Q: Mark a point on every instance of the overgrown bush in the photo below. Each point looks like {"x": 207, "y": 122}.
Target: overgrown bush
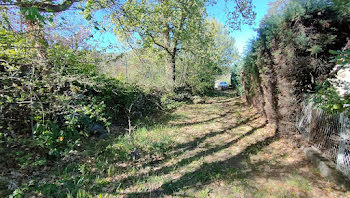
{"x": 51, "y": 111}
{"x": 291, "y": 54}
{"x": 328, "y": 99}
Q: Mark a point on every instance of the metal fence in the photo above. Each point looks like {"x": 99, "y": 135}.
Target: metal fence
{"x": 330, "y": 134}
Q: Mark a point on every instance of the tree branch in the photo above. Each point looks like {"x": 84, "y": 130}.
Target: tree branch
{"x": 44, "y": 6}
{"x": 156, "y": 43}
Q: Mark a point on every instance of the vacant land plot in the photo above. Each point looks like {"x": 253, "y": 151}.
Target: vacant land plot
{"x": 221, "y": 148}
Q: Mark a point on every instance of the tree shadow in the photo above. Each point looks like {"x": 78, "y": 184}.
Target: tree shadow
{"x": 227, "y": 94}
{"x": 201, "y": 154}
{"x": 230, "y": 100}
{"x": 159, "y": 167}
{"x": 129, "y": 181}
{"x": 208, "y": 171}
{"x": 166, "y": 118}
{"x": 193, "y": 144}
{"x": 222, "y": 115}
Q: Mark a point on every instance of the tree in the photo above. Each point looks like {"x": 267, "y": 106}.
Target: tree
{"x": 33, "y": 12}
{"x": 276, "y": 7}
{"x": 166, "y": 24}
{"x": 70, "y": 29}
{"x": 342, "y": 6}
{"x": 206, "y": 56}
{"x": 45, "y": 6}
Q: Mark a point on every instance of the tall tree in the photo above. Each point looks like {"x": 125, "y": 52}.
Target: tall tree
{"x": 276, "y": 7}
{"x": 32, "y": 12}
{"x": 206, "y": 56}
{"x": 166, "y": 24}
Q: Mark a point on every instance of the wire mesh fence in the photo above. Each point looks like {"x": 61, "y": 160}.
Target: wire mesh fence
{"x": 329, "y": 133}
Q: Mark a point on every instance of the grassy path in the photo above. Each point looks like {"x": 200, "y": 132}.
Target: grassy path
{"x": 224, "y": 149}
{"x": 221, "y": 148}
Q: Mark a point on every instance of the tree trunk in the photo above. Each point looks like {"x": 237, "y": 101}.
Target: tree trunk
{"x": 36, "y": 34}
{"x": 173, "y": 68}
{"x": 172, "y": 53}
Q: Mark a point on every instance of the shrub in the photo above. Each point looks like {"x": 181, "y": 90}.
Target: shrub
{"x": 328, "y": 99}
{"x": 57, "y": 108}
{"x": 290, "y": 55}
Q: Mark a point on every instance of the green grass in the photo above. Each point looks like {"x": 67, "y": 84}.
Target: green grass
{"x": 99, "y": 162}
{"x": 200, "y": 157}
{"x": 299, "y": 182}
{"x": 204, "y": 193}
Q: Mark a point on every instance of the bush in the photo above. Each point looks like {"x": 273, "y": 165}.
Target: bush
{"x": 291, "y": 54}
{"x": 58, "y": 107}
{"x": 328, "y": 99}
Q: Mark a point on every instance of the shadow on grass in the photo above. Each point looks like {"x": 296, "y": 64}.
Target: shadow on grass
{"x": 207, "y": 152}
{"x": 222, "y": 115}
{"x": 193, "y": 144}
{"x": 227, "y": 94}
{"x": 129, "y": 181}
{"x": 209, "y": 172}
{"x": 203, "y": 174}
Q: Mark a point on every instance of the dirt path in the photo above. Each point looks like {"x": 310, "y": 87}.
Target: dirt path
{"x": 225, "y": 149}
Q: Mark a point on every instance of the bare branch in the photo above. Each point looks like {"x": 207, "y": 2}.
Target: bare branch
{"x": 44, "y": 6}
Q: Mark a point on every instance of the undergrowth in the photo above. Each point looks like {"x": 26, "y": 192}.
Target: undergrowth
{"x": 99, "y": 162}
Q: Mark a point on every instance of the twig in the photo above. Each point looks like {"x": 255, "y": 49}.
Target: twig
{"x": 129, "y": 119}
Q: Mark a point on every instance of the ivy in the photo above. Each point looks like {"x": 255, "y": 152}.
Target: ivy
{"x": 341, "y": 57}
{"x": 32, "y": 14}
{"x": 328, "y": 99}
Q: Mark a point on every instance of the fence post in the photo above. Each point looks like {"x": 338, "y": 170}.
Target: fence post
{"x": 343, "y": 162}
{"x": 309, "y": 120}
{"x": 305, "y": 121}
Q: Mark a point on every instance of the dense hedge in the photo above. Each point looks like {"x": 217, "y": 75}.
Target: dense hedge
{"x": 290, "y": 57}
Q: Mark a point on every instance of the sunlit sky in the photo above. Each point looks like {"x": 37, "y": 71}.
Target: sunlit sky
{"x": 241, "y": 36}
{"x": 247, "y": 32}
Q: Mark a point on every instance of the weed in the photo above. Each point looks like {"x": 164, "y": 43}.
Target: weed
{"x": 204, "y": 193}
{"x": 300, "y": 182}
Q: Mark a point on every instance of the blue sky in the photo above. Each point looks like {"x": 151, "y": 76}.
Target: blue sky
{"x": 218, "y": 11}
{"x": 247, "y": 32}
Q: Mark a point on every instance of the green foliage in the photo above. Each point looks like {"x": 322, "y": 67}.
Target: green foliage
{"x": 242, "y": 11}
{"x": 211, "y": 54}
{"x": 250, "y": 71}
{"x": 208, "y": 54}
{"x": 172, "y": 100}
{"x": 52, "y": 96}
{"x": 316, "y": 49}
{"x": 302, "y": 41}
{"x": 328, "y": 99}
{"x": 292, "y": 43}
{"x": 71, "y": 62}
{"x": 151, "y": 141}
{"x": 32, "y": 14}
{"x": 341, "y": 57}
{"x": 144, "y": 67}
{"x": 85, "y": 177}
{"x": 180, "y": 32}
{"x": 153, "y": 19}
{"x": 341, "y": 6}
{"x": 236, "y": 81}
{"x": 163, "y": 25}
{"x": 59, "y": 109}
{"x": 327, "y": 96}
